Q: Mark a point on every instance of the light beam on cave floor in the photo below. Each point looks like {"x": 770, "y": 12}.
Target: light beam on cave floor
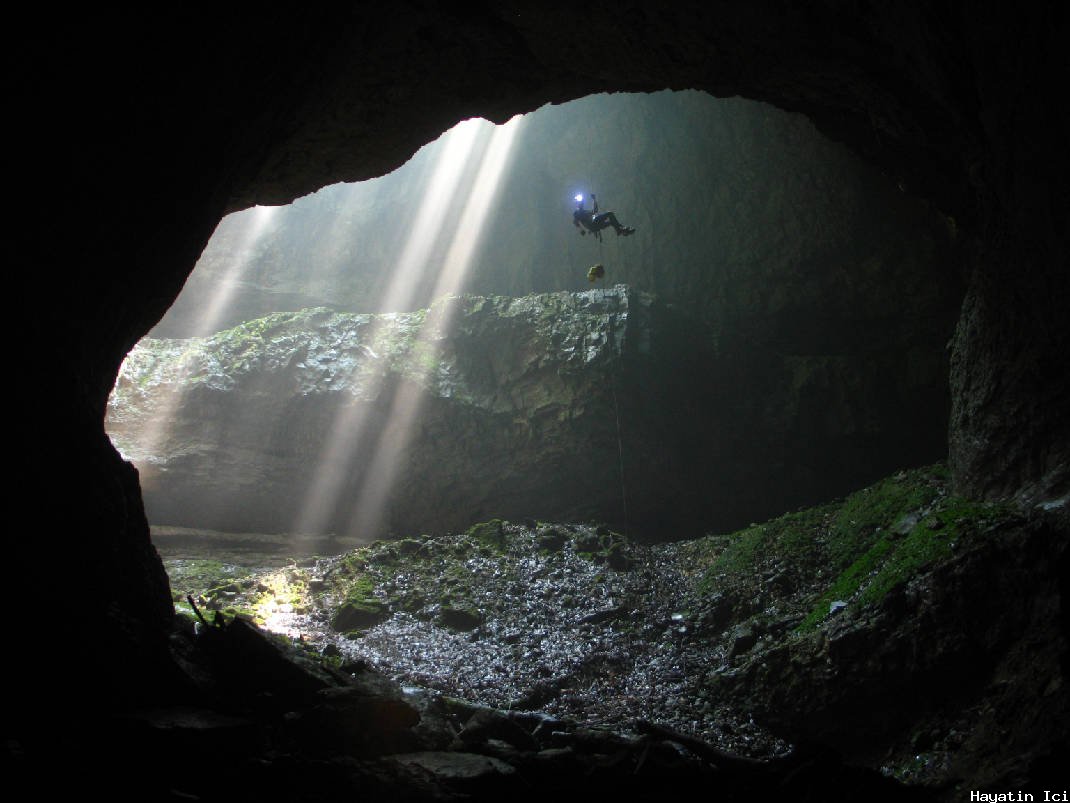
{"x": 397, "y": 435}
{"x": 351, "y": 428}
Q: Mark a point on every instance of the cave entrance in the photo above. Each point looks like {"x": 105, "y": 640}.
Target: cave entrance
{"x": 776, "y": 336}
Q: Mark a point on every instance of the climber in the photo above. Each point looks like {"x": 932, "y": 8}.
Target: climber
{"x": 594, "y": 221}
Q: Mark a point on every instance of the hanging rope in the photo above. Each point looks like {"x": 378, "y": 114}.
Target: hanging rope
{"x": 621, "y": 261}
{"x": 616, "y": 404}
{"x": 594, "y": 273}
{"x": 568, "y": 254}
{"x": 602, "y": 262}
{"x": 620, "y": 458}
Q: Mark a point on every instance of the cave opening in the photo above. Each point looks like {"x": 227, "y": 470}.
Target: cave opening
{"x": 422, "y": 358}
{"x": 784, "y": 273}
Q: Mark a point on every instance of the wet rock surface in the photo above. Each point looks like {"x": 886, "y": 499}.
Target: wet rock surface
{"x": 562, "y": 632}
{"x": 518, "y": 626}
{"x": 890, "y": 628}
{"x": 260, "y": 720}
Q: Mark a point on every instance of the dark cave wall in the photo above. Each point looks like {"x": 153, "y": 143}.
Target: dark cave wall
{"x": 1010, "y": 434}
{"x": 137, "y": 144}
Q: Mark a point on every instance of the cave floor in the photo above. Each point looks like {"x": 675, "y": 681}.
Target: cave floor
{"x": 558, "y": 631}
{"x": 874, "y": 625}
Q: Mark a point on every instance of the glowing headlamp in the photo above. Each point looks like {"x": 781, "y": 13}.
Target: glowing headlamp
{"x": 579, "y": 198}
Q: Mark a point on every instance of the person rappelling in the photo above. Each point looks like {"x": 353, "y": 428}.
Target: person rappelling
{"x": 593, "y": 221}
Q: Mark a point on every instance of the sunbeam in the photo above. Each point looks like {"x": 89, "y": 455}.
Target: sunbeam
{"x": 256, "y": 222}
{"x": 481, "y": 199}
{"x": 407, "y": 405}
{"x": 435, "y": 208}
{"x": 144, "y": 444}
{"x": 346, "y": 442}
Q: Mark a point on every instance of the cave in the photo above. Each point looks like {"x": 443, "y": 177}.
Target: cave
{"x": 785, "y": 267}
{"x": 145, "y": 131}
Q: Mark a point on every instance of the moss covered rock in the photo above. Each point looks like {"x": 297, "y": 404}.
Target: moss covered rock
{"x": 353, "y": 615}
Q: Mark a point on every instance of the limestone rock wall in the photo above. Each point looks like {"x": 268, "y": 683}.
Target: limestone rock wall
{"x": 476, "y": 406}
{"x": 603, "y": 405}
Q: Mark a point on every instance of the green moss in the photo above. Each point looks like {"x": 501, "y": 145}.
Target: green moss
{"x": 412, "y": 602}
{"x": 894, "y": 559}
{"x": 378, "y": 553}
{"x": 602, "y": 545}
{"x": 356, "y": 561}
{"x": 551, "y": 539}
{"x": 865, "y": 514}
{"x": 856, "y": 550}
{"x": 242, "y": 611}
{"x": 424, "y": 359}
{"x": 847, "y": 583}
{"x": 196, "y": 576}
{"x": 793, "y": 536}
{"x": 931, "y": 540}
{"x": 408, "y": 546}
{"x": 360, "y": 608}
{"x": 490, "y": 534}
{"x": 360, "y": 590}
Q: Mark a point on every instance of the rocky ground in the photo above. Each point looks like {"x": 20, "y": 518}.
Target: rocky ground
{"x": 755, "y": 644}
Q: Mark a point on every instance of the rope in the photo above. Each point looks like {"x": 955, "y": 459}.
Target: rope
{"x": 568, "y": 254}
{"x": 602, "y": 261}
{"x": 620, "y": 458}
{"x": 616, "y": 404}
